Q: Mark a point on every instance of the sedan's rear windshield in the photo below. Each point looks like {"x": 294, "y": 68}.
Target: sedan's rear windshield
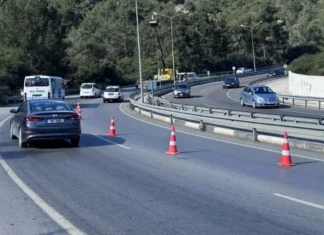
{"x": 230, "y": 80}
{"x": 86, "y": 86}
{"x": 182, "y": 86}
{"x": 262, "y": 90}
{"x": 48, "y": 106}
{"x": 31, "y": 82}
{"x": 111, "y": 89}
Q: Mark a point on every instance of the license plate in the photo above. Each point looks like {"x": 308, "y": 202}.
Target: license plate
{"x": 110, "y": 93}
{"x": 270, "y": 103}
{"x": 53, "y": 121}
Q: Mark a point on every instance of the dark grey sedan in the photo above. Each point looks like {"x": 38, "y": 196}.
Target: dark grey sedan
{"x": 45, "y": 120}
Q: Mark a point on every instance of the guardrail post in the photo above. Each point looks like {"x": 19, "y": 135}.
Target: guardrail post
{"x": 202, "y": 126}
{"x": 255, "y": 134}
{"x": 305, "y": 103}
{"x": 252, "y": 115}
{"x": 210, "y": 111}
{"x": 195, "y": 108}
{"x": 319, "y": 104}
{"x": 171, "y": 119}
{"x": 182, "y": 107}
{"x": 151, "y": 114}
{"x": 139, "y": 110}
{"x": 283, "y": 100}
{"x": 293, "y": 102}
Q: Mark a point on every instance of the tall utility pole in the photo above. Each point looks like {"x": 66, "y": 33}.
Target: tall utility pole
{"x": 171, "y": 19}
{"x": 139, "y": 53}
{"x": 252, "y": 40}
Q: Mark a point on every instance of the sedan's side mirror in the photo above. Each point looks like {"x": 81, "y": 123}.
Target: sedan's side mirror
{"x": 250, "y": 93}
{"x": 13, "y": 111}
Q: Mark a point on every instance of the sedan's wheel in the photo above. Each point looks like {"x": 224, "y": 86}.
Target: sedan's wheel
{"x": 242, "y": 102}
{"x": 75, "y": 142}
{"x": 12, "y": 136}
{"x": 253, "y": 104}
{"x": 20, "y": 140}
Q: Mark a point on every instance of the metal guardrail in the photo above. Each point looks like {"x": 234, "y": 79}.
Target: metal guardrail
{"x": 312, "y": 128}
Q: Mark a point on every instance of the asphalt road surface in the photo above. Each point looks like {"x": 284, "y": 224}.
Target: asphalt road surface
{"x": 213, "y": 95}
{"x": 128, "y": 185}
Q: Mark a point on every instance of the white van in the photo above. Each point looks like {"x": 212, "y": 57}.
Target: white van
{"x": 43, "y": 87}
{"x": 89, "y": 90}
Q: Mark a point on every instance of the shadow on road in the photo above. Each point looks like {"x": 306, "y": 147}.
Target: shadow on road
{"x": 87, "y": 140}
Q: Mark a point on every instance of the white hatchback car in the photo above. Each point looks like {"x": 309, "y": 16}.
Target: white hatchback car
{"x": 89, "y": 90}
{"x": 112, "y": 93}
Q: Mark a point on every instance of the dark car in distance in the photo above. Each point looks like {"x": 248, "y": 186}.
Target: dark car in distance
{"x": 276, "y": 73}
{"x": 45, "y": 119}
{"x": 231, "y": 82}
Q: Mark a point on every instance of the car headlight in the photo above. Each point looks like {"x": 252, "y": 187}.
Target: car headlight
{"x": 259, "y": 99}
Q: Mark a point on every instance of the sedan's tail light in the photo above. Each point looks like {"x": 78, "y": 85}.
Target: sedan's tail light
{"x": 33, "y": 118}
{"x": 74, "y": 117}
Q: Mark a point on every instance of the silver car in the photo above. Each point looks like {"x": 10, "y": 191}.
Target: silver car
{"x": 259, "y": 96}
{"x": 181, "y": 90}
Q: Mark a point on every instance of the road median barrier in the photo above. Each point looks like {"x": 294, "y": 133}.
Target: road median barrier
{"x": 306, "y": 133}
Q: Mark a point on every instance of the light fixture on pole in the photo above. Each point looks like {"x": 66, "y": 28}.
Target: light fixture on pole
{"x": 139, "y": 53}
{"x": 251, "y": 28}
{"x": 171, "y": 20}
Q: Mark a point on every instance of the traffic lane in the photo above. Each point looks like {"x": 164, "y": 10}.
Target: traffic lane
{"x": 19, "y": 214}
{"x": 213, "y": 95}
{"x": 234, "y": 96}
{"x": 198, "y": 93}
{"x": 105, "y": 189}
{"x": 141, "y": 136}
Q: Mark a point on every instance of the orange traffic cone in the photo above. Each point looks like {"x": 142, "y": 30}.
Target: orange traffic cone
{"x": 285, "y": 155}
{"x": 112, "y": 131}
{"x": 173, "y": 143}
{"x": 79, "y": 110}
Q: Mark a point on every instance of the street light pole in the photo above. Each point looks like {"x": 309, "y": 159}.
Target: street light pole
{"x": 253, "y": 49}
{"x": 173, "y": 66}
{"x": 172, "y": 41}
{"x": 139, "y": 54}
{"x": 252, "y": 40}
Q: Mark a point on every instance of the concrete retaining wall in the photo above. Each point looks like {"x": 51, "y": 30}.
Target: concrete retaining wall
{"x": 306, "y": 85}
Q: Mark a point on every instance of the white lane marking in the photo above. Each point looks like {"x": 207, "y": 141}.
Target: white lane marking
{"x": 50, "y": 211}
{"x": 111, "y": 142}
{"x": 3, "y": 121}
{"x": 228, "y": 95}
{"x": 219, "y": 140}
{"x": 299, "y": 201}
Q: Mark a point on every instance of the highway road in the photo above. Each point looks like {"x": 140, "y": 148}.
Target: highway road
{"x": 213, "y": 95}
{"x": 128, "y": 185}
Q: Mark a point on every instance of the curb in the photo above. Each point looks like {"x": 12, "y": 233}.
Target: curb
{"x": 299, "y": 144}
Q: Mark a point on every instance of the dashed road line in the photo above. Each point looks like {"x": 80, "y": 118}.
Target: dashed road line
{"x": 111, "y": 142}
{"x": 299, "y": 201}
